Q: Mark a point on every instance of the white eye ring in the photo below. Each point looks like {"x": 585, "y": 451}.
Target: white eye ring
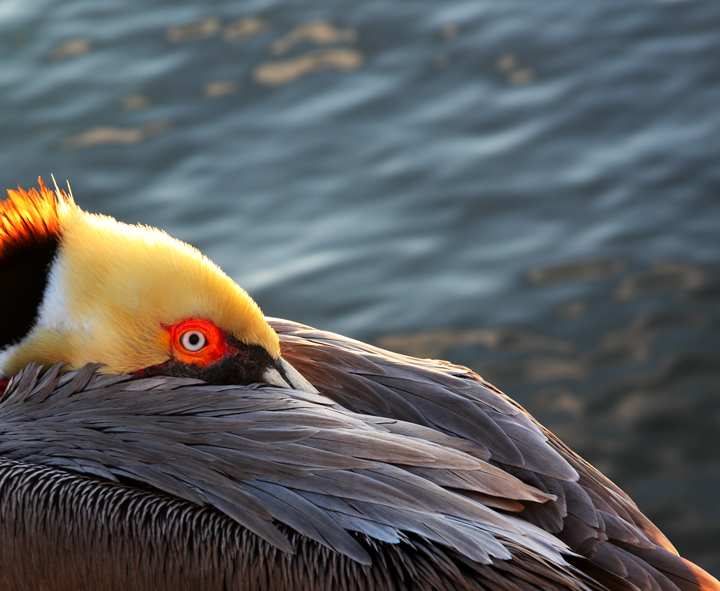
{"x": 193, "y": 340}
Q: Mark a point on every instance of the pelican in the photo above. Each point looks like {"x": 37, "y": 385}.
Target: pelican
{"x": 157, "y": 432}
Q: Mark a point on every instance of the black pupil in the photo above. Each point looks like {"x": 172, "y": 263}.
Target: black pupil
{"x": 194, "y": 338}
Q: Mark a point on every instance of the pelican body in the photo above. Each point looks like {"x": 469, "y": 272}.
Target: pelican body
{"x": 157, "y": 432}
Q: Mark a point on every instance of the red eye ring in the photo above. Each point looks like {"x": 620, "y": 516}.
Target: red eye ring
{"x": 198, "y": 342}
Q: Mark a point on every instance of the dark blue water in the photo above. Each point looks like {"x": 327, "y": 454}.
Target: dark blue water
{"x": 528, "y": 188}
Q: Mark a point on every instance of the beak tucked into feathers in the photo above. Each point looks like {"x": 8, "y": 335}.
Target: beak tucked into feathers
{"x": 84, "y": 288}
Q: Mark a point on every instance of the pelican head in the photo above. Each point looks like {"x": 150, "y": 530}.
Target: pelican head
{"x": 84, "y": 288}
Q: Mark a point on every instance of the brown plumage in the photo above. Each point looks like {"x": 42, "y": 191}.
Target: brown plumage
{"x": 400, "y": 474}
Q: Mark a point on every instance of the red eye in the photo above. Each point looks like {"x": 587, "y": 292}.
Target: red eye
{"x": 198, "y": 342}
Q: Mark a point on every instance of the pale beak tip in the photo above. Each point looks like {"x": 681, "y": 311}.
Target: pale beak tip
{"x": 285, "y": 375}
{"x": 272, "y": 376}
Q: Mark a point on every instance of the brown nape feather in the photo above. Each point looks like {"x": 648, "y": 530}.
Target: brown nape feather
{"x": 29, "y": 237}
{"x": 386, "y": 480}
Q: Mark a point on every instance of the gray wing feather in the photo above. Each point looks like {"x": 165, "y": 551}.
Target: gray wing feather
{"x": 581, "y": 507}
{"x": 393, "y": 450}
{"x": 245, "y": 464}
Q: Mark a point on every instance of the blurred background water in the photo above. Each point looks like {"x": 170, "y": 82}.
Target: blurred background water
{"x": 527, "y": 188}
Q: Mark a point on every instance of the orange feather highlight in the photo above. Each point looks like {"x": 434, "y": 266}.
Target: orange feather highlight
{"x": 31, "y": 216}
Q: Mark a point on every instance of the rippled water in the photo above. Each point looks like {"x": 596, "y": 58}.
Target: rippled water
{"x": 530, "y": 189}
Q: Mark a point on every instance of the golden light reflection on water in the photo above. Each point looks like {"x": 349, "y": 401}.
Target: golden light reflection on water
{"x": 282, "y": 72}
{"x": 441, "y": 61}
{"x": 573, "y": 309}
{"x": 580, "y": 270}
{"x": 321, "y": 32}
{"x": 521, "y": 76}
{"x": 244, "y": 29}
{"x": 514, "y": 75}
{"x": 267, "y": 73}
{"x": 561, "y": 400}
{"x": 661, "y": 276}
{"x": 71, "y": 48}
{"x": 449, "y": 31}
{"x": 109, "y": 135}
{"x": 135, "y": 102}
{"x": 506, "y": 63}
{"x": 221, "y": 88}
{"x": 193, "y": 31}
{"x": 534, "y": 369}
